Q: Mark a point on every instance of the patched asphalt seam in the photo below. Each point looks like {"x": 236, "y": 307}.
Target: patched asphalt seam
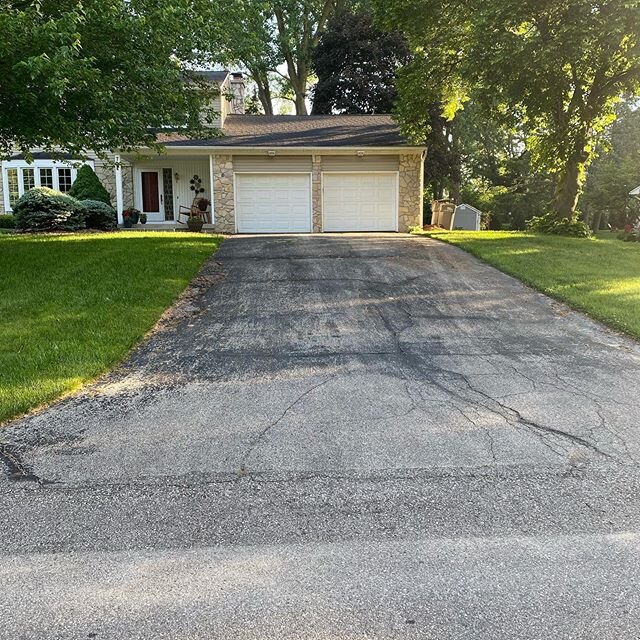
{"x": 17, "y": 469}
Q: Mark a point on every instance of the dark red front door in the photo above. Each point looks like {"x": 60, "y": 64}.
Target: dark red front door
{"x": 150, "y": 192}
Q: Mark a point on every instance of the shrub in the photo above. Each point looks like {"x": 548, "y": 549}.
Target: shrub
{"x": 99, "y": 215}
{"x": 43, "y": 209}
{"x": 7, "y": 221}
{"x": 548, "y": 223}
{"x": 87, "y": 186}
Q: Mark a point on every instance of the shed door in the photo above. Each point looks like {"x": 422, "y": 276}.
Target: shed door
{"x": 273, "y": 202}
{"x": 360, "y": 201}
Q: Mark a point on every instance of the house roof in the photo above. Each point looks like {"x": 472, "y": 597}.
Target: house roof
{"x": 45, "y": 155}
{"x": 214, "y": 76}
{"x": 300, "y": 131}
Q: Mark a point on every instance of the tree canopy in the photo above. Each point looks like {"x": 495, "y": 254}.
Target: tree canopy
{"x": 559, "y": 66}
{"x": 356, "y": 63}
{"x": 96, "y": 74}
{"x": 265, "y": 36}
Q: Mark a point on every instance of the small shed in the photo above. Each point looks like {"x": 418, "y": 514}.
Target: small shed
{"x": 466, "y": 217}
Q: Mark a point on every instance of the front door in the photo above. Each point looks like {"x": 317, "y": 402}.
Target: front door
{"x": 151, "y": 197}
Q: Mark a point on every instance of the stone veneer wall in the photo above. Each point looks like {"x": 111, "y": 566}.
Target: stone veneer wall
{"x": 316, "y": 193}
{"x": 223, "y": 196}
{"x": 410, "y": 191}
{"x": 105, "y": 170}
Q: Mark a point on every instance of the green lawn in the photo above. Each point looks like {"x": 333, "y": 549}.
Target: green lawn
{"x": 72, "y": 306}
{"x": 598, "y": 276}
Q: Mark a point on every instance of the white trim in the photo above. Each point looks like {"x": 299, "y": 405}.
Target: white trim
{"x": 212, "y": 177}
{"x": 289, "y": 151}
{"x": 119, "y": 189}
{"x": 138, "y": 192}
{"x": 309, "y": 174}
{"x": 397, "y": 204}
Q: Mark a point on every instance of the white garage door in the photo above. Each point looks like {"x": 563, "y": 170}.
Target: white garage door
{"x": 273, "y": 202}
{"x": 360, "y": 201}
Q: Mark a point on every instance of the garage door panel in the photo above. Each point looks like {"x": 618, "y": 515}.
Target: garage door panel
{"x": 360, "y": 201}
{"x": 273, "y": 203}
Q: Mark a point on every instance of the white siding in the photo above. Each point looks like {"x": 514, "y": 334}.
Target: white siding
{"x": 366, "y": 163}
{"x": 265, "y": 164}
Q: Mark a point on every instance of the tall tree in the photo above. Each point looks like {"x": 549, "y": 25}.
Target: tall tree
{"x": 356, "y": 64}
{"x": 561, "y": 64}
{"x": 264, "y": 35}
{"x": 242, "y": 34}
{"x": 300, "y": 24}
{"x": 96, "y": 74}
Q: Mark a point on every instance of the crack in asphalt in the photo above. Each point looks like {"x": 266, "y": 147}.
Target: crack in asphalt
{"x": 263, "y": 433}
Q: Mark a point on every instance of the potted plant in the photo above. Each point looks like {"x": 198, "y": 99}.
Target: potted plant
{"x": 130, "y": 217}
{"x": 194, "y": 223}
{"x": 143, "y": 218}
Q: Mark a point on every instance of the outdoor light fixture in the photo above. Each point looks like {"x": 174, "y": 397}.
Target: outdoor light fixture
{"x": 360, "y": 154}
{"x": 271, "y": 153}
{"x": 176, "y": 175}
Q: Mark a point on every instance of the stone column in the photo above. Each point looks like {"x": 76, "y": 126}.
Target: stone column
{"x": 410, "y": 191}
{"x": 223, "y": 195}
{"x": 316, "y": 193}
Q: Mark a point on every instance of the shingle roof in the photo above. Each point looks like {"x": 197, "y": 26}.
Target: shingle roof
{"x": 213, "y": 76}
{"x": 300, "y": 131}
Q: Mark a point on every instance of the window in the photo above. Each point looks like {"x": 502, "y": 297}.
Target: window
{"x": 64, "y": 179}
{"x": 28, "y": 179}
{"x": 46, "y": 177}
{"x": 18, "y": 176}
{"x": 12, "y": 186}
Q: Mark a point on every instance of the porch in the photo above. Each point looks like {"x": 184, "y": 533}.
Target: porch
{"x": 163, "y": 186}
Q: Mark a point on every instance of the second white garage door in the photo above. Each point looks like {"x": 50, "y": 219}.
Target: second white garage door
{"x": 273, "y": 202}
{"x": 360, "y": 201}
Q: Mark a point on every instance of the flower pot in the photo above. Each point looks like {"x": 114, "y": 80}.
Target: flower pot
{"x": 195, "y": 224}
{"x": 128, "y": 223}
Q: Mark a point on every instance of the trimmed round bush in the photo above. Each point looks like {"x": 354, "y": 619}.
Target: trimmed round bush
{"x": 44, "y": 209}
{"x": 87, "y": 186}
{"x": 98, "y": 215}
{"x": 7, "y": 221}
{"x": 548, "y": 223}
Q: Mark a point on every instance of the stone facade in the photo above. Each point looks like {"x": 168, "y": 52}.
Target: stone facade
{"x": 223, "y": 195}
{"x": 410, "y": 192}
{"x": 316, "y": 193}
{"x": 105, "y": 170}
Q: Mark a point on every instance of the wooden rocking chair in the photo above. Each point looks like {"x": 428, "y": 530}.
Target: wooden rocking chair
{"x": 198, "y": 209}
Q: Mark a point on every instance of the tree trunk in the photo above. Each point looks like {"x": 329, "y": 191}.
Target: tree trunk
{"x": 570, "y": 181}
{"x": 301, "y": 105}
{"x": 261, "y": 78}
{"x": 264, "y": 94}
{"x": 597, "y": 221}
{"x": 298, "y": 80}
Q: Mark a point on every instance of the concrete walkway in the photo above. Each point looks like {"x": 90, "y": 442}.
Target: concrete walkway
{"x": 336, "y": 436}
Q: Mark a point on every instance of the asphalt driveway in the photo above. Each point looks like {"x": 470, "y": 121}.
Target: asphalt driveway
{"x": 336, "y": 436}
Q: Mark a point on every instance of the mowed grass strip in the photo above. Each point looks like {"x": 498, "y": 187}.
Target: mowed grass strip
{"x": 599, "y": 276}
{"x": 73, "y": 306}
